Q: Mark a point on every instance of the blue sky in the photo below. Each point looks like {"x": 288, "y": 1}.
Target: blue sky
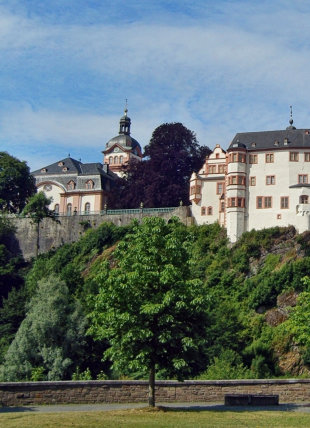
{"x": 219, "y": 67}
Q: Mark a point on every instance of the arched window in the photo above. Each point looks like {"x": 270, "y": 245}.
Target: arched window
{"x": 121, "y": 159}
{"x": 203, "y": 210}
{"x": 71, "y": 185}
{"x": 89, "y": 184}
{"x": 115, "y": 159}
{"x": 110, "y": 160}
{"x": 56, "y": 208}
{"x": 87, "y": 208}
{"x": 210, "y": 210}
{"x": 69, "y": 209}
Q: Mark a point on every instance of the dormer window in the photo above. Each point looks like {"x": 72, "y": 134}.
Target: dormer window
{"x": 253, "y": 144}
{"x": 71, "y": 185}
{"x": 60, "y": 164}
{"x": 65, "y": 169}
{"x": 285, "y": 141}
{"x": 43, "y": 170}
{"x": 276, "y": 143}
{"x": 89, "y": 184}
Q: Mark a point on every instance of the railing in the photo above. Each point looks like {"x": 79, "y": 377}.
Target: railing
{"x": 121, "y": 212}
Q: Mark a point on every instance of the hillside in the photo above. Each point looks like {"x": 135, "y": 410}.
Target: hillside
{"x": 257, "y": 313}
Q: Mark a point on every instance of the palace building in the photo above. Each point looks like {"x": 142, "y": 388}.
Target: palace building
{"x": 261, "y": 181}
{"x": 84, "y": 188}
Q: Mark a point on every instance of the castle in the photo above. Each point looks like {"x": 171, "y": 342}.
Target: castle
{"x": 261, "y": 181}
{"x": 84, "y": 188}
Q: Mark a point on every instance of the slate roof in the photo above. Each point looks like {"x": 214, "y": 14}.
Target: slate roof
{"x": 73, "y": 166}
{"x": 267, "y": 140}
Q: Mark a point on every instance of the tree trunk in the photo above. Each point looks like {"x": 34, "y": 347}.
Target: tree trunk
{"x": 152, "y": 386}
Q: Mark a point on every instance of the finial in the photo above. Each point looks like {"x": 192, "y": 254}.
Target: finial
{"x": 68, "y": 155}
{"x": 126, "y": 107}
{"x": 291, "y": 116}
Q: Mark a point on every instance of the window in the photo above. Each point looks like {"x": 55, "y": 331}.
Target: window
{"x": 269, "y": 157}
{"x": 263, "y": 202}
{"x": 236, "y": 202}
{"x": 115, "y": 159}
{"x": 217, "y": 155}
{"x": 221, "y": 169}
{"x": 87, "y": 208}
{"x": 71, "y": 185}
{"x": 60, "y": 164}
{"x": 252, "y": 181}
{"x": 69, "y": 209}
{"x": 259, "y": 202}
{"x": 241, "y": 158}
{"x": 303, "y": 178}
{"x": 219, "y": 188}
{"x": 47, "y": 187}
{"x": 89, "y": 184}
{"x": 270, "y": 179}
{"x": 303, "y": 199}
{"x": 294, "y": 156}
{"x": 212, "y": 169}
{"x": 236, "y": 179}
{"x": 210, "y": 210}
{"x": 284, "y": 202}
{"x": 279, "y": 216}
{"x": 203, "y": 210}
{"x": 253, "y": 158}
{"x": 307, "y": 156}
{"x": 56, "y": 208}
{"x": 222, "y": 207}
{"x": 65, "y": 168}
{"x": 195, "y": 189}
{"x": 121, "y": 159}
{"x": 111, "y": 160}
{"x": 43, "y": 170}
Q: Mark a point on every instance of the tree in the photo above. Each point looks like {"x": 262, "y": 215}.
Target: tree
{"x": 148, "y": 307}
{"x": 37, "y": 209}
{"x": 51, "y": 337}
{"x": 16, "y": 183}
{"x": 163, "y": 179}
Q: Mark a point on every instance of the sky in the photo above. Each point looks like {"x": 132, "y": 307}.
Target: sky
{"x": 219, "y": 67}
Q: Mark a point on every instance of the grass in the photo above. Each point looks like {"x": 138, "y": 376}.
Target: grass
{"x": 157, "y": 418}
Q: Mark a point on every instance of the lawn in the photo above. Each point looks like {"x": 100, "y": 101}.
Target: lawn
{"x": 147, "y": 419}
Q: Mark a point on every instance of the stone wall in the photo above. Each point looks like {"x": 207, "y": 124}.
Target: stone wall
{"x": 70, "y": 229}
{"x": 30, "y": 393}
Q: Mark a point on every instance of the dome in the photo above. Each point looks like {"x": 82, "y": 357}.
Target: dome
{"x": 125, "y": 141}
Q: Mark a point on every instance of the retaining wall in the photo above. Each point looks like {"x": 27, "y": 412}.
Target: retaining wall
{"x": 69, "y": 229}
{"x": 27, "y": 393}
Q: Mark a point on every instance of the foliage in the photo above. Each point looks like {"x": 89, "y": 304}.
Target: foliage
{"x": 51, "y": 336}
{"x": 37, "y": 208}
{"x": 16, "y": 183}
{"x": 162, "y": 179}
{"x": 78, "y": 375}
{"x": 151, "y": 311}
{"x": 228, "y": 365}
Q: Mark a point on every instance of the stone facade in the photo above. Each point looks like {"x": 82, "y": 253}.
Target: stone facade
{"x": 34, "y": 393}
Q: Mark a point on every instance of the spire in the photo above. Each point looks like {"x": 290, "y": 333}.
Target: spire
{"x": 291, "y": 121}
{"x": 124, "y": 123}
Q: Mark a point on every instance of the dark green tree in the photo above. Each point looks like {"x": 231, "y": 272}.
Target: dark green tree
{"x": 16, "y": 183}
{"x": 37, "y": 209}
{"x": 162, "y": 180}
{"x": 50, "y": 338}
{"x": 150, "y": 310}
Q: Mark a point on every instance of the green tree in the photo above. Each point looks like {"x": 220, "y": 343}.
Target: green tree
{"x": 148, "y": 307}
{"x": 16, "y": 183}
{"x": 50, "y": 337}
{"x": 37, "y": 209}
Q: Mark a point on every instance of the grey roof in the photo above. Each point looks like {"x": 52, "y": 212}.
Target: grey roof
{"x": 125, "y": 141}
{"x": 74, "y": 167}
{"x": 288, "y": 138}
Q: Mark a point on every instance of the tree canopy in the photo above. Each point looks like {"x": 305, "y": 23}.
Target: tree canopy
{"x": 50, "y": 338}
{"x": 148, "y": 307}
{"x": 16, "y": 183}
{"x": 163, "y": 178}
